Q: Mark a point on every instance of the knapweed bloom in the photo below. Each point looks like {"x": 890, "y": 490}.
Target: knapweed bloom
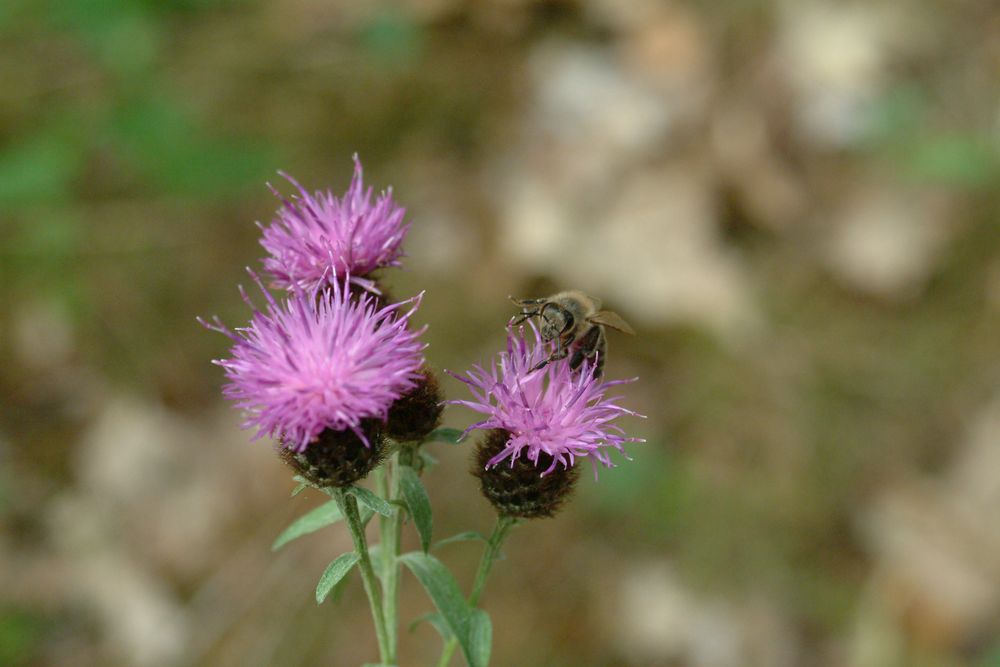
{"x": 320, "y": 361}
{"x": 552, "y": 414}
{"x": 319, "y": 238}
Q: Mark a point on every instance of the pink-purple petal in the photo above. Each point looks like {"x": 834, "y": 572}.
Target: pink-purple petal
{"x": 319, "y": 238}
{"x": 552, "y": 410}
{"x": 319, "y": 360}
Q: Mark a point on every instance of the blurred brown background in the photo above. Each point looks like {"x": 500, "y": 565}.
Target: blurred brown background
{"x": 795, "y": 203}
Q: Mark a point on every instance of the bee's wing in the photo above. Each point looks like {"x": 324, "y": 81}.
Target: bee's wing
{"x": 610, "y": 319}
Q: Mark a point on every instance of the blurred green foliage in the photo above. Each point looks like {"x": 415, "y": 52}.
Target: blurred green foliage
{"x": 20, "y": 635}
{"x": 929, "y": 149}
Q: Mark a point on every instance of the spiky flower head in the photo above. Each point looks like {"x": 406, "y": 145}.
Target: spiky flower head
{"x": 319, "y": 238}
{"x": 553, "y": 410}
{"x": 320, "y": 360}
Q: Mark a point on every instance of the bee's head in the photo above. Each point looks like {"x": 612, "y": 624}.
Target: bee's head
{"x": 556, "y": 321}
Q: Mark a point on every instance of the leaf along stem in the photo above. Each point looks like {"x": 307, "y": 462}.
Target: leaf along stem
{"x": 503, "y": 524}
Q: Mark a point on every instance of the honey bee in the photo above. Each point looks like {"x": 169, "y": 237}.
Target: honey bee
{"x": 576, "y": 321}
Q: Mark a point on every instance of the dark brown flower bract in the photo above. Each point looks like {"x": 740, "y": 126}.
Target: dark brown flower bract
{"x": 520, "y": 491}
{"x": 338, "y": 458}
{"x": 417, "y": 412}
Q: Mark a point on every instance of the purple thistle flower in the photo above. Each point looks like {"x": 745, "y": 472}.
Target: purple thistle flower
{"x": 319, "y": 238}
{"x": 553, "y": 410}
{"x": 320, "y": 360}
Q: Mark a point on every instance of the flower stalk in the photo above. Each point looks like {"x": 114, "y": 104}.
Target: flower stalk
{"x": 503, "y": 525}
{"x": 349, "y": 508}
{"x": 390, "y": 549}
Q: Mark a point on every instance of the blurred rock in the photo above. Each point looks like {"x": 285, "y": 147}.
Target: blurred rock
{"x": 770, "y": 193}
{"x": 930, "y": 568}
{"x": 440, "y": 237}
{"x": 667, "y": 46}
{"x": 170, "y": 483}
{"x": 877, "y": 639}
{"x": 589, "y": 117}
{"x": 936, "y": 550}
{"x": 659, "y": 254}
{"x": 659, "y": 621}
{"x": 653, "y": 250}
{"x": 153, "y": 497}
{"x": 141, "y": 620}
{"x": 582, "y": 203}
{"x": 887, "y": 242}
{"x": 834, "y": 55}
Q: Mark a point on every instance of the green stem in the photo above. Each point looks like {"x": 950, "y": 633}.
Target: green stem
{"x": 384, "y": 522}
{"x": 503, "y": 525}
{"x": 388, "y": 568}
{"x": 390, "y": 551}
{"x": 390, "y": 547}
{"x": 349, "y": 508}
{"x": 382, "y": 491}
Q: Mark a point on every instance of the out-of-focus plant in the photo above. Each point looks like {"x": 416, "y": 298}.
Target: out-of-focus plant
{"x": 94, "y": 125}
{"x": 903, "y": 130}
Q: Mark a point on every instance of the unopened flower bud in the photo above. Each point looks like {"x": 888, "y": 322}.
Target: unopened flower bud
{"x": 417, "y": 412}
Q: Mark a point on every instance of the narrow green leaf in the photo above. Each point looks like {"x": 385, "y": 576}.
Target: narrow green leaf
{"x": 480, "y": 637}
{"x": 334, "y": 572}
{"x": 444, "y": 434}
{"x": 366, "y": 515}
{"x": 416, "y": 499}
{"x": 338, "y": 590}
{"x": 467, "y": 536}
{"x": 435, "y": 620}
{"x": 299, "y": 488}
{"x": 371, "y": 501}
{"x": 310, "y": 522}
{"x": 426, "y": 460}
{"x": 444, "y": 592}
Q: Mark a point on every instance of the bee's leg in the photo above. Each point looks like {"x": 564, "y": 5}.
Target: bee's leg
{"x": 601, "y": 353}
{"x": 560, "y": 353}
{"x": 588, "y": 346}
{"x": 596, "y": 359}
